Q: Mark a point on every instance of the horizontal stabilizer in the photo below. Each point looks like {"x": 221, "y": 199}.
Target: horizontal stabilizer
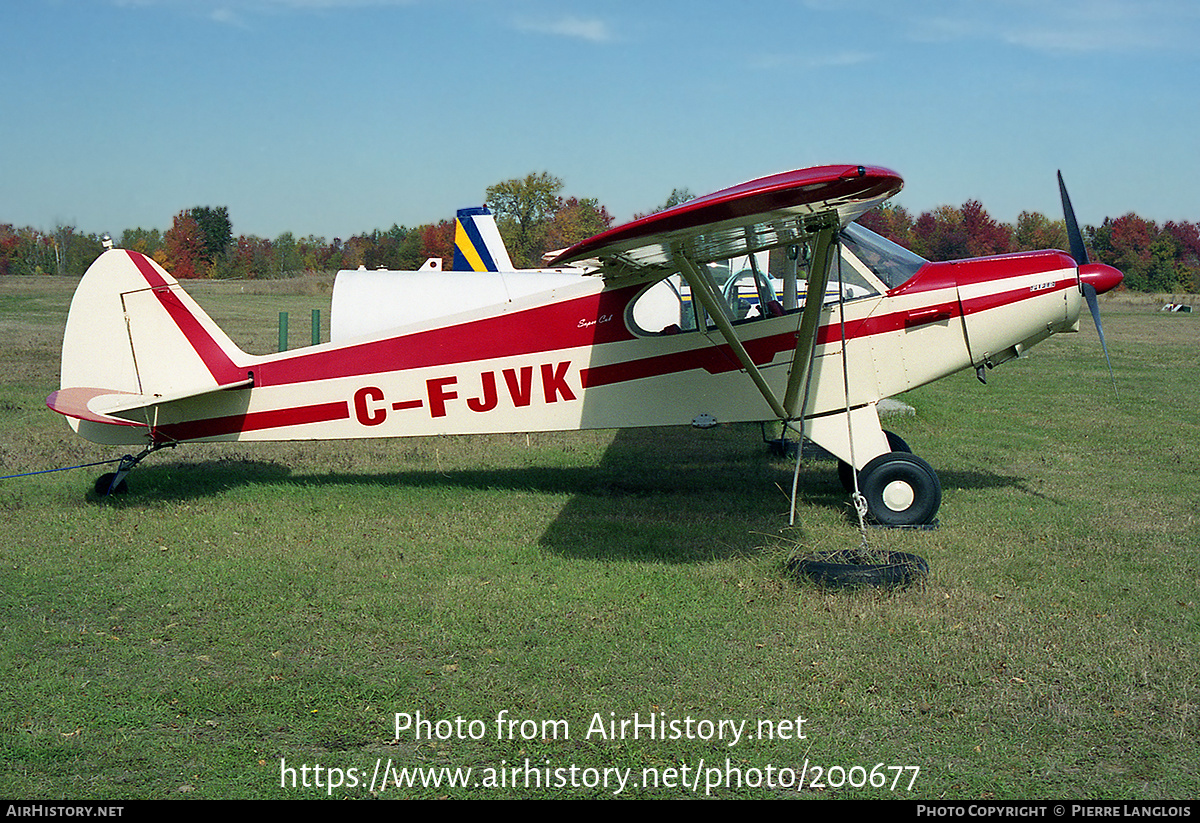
{"x": 105, "y": 406}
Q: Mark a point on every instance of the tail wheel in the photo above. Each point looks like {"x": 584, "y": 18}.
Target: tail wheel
{"x": 104, "y": 485}
{"x": 901, "y": 490}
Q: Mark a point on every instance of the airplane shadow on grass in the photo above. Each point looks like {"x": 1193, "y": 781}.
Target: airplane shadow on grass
{"x": 670, "y": 495}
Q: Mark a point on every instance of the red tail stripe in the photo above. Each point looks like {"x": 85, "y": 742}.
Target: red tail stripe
{"x": 213, "y": 355}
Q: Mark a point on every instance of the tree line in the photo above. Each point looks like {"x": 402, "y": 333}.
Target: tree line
{"x": 535, "y": 219}
{"x": 1153, "y": 258}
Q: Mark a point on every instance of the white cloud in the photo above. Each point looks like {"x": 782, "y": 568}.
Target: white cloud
{"x": 579, "y": 28}
{"x": 1066, "y": 25}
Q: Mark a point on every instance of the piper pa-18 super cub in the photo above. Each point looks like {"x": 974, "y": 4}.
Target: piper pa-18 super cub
{"x": 632, "y": 329}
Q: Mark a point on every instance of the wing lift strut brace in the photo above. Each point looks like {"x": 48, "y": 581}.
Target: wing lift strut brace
{"x": 704, "y": 289}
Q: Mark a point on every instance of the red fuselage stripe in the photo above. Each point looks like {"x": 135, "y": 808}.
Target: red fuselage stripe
{"x": 763, "y": 350}
{"x": 571, "y": 324}
{"x": 253, "y": 421}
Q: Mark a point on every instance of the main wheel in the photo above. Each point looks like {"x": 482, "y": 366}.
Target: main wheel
{"x": 901, "y": 490}
{"x": 895, "y": 443}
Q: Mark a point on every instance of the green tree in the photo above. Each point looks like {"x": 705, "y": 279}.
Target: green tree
{"x": 73, "y": 251}
{"x": 215, "y": 229}
{"x": 287, "y": 254}
{"x": 1035, "y": 231}
{"x": 1162, "y": 274}
{"x": 677, "y": 197}
{"x": 408, "y": 255}
{"x": 147, "y": 241}
{"x": 246, "y": 258}
{"x": 523, "y": 207}
{"x": 35, "y": 253}
{"x": 382, "y": 249}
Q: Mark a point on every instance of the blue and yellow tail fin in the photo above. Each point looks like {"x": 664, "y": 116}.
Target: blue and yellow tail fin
{"x": 477, "y": 242}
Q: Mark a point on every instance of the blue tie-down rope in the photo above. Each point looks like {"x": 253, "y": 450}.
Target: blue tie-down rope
{"x": 63, "y": 469}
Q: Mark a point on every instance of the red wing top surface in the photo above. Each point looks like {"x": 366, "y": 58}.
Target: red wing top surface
{"x": 765, "y": 212}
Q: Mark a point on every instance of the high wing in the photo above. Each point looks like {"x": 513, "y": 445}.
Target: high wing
{"x": 806, "y": 206}
{"x": 761, "y": 214}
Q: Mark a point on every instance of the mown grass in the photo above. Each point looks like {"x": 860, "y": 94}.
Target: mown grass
{"x": 248, "y": 605}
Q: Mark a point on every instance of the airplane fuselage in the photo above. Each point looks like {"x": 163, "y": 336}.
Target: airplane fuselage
{"x": 636, "y": 331}
{"x": 570, "y": 358}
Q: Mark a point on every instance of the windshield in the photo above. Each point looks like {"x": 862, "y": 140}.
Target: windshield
{"x": 892, "y": 264}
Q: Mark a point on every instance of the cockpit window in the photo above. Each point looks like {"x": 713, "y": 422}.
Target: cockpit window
{"x": 774, "y": 284}
{"x": 892, "y": 264}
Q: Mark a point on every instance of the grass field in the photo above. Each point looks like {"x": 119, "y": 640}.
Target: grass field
{"x": 247, "y": 614}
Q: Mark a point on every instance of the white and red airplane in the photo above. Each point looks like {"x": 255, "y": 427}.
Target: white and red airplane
{"x": 632, "y": 330}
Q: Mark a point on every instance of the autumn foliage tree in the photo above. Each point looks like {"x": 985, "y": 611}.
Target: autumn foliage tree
{"x": 438, "y": 241}
{"x": 985, "y": 236}
{"x": 892, "y": 222}
{"x": 1186, "y": 239}
{"x": 534, "y": 219}
{"x": 575, "y": 220}
{"x": 183, "y": 248}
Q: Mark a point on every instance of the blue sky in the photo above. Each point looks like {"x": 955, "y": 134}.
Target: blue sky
{"x": 334, "y": 117}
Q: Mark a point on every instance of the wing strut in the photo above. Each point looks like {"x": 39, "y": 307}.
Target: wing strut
{"x": 806, "y": 337}
{"x": 704, "y": 290}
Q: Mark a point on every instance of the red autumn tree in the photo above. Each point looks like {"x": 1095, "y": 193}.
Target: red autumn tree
{"x": 438, "y": 241}
{"x": 183, "y": 248}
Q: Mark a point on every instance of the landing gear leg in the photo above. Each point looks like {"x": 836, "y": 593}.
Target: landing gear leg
{"x": 113, "y": 483}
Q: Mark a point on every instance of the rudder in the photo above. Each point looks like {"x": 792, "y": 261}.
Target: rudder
{"x": 132, "y": 329}
{"x": 477, "y": 242}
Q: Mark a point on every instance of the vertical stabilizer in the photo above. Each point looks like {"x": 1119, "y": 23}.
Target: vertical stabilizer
{"x": 477, "y": 242}
{"x": 132, "y": 329}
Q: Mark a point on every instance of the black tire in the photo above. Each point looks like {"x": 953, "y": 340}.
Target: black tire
{"x": 104, "y": 484}
{"x": 901, "y": 490}
{"x": 851, "y": 569}
{"x": 782, "y": 448}
{"x": 895, "y": 443}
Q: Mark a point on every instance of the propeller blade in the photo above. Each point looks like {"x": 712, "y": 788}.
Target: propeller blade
{"x": 1078, "y": 250}
{"x": 1089, "y": 293}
